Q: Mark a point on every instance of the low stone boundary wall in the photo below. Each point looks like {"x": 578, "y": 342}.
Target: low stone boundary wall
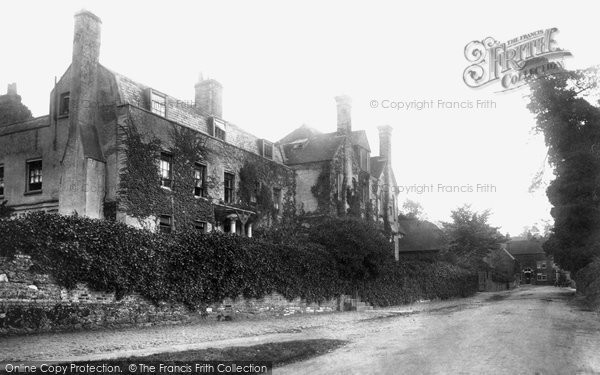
{"x": 32, "y": 302}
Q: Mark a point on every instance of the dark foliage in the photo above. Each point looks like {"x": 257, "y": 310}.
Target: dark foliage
{"x": 337, "y": 256}
{"x": 12, "y": 110}
{"x": 570, "y": 127}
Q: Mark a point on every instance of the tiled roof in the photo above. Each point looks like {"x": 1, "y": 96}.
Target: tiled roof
{"x": 303, "y": 132}
{"x": 307, "y": 145}
{"x": 516, "y": 247}
{"x": 320, "y": 147}
{"x": 38, "y": 122}
{"x": 186, "y": 114}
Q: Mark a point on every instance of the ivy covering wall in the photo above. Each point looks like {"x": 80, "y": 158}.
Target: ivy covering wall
{"x": 197, "y": 269}
{"x": 141, "y": 195}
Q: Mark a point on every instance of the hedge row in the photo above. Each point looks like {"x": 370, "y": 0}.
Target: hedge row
{"x": 588, "y": 283}
{"x": 196, "y": 269}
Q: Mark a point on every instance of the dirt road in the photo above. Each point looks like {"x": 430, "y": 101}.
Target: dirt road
{"x": 534, "y": 330}
{"x": 527, "y": 331}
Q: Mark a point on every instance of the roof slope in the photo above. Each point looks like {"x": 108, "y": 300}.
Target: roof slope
{"x": 35, "y": 123}
{"x": 516, "y": 247}
{"x": 320, "y": 147}
{"x": 307, "y": 145}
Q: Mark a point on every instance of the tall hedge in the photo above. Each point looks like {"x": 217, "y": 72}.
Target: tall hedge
{"x": 196, "y": 268}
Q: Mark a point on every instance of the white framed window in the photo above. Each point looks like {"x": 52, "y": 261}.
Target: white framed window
{"x": 166, "y": 169}
{"x": 266, "y": 149}
{"x": 158, "y": 103}
{"x": 217, "y": 128}
{"x": 34, "y": 176}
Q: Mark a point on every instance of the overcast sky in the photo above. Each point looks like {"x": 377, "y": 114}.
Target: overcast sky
{"x": 282, "y": 64}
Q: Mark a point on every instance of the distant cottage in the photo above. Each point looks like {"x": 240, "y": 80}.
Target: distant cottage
{"x": 116, "y": 149}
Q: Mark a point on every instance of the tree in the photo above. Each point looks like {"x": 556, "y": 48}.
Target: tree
{"x": 470, "y": 236}
{"x": 412, "y": 210}
{"x": 359, "y": 247}
{"x": 569, "y": 124}
{"x": 12, "y": 110}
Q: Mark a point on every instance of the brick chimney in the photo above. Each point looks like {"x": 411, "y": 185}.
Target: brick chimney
{"x": 83, "y": 167}
{"x": 209, "y": 97}
{"x": 84, "y": 66}
{"x": 344, "y": 114}
{"x": 385, "y": 142}
{"x": 12, "y": 89}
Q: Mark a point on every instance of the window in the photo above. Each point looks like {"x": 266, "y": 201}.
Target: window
{"x": 200, "y": 180}
{"x": 229, "y": 184}
{"x": 34, "y": 175}
{"x": 166, "y": 170}
{"x": 544, "y": 265}
{"x": 165, "y": 224}
{"x": 216, "y": 128}
{"x": 267, "y": 149}
{"x": 158, "y": 103}
{"x": 254, "y": 193}
{"x": 541, "y": 277}
{"x": 277, "y": 199}
{"x": 1, "y": 180}
{"x": 200, "y": 225}
{"x": 63, "y": 106}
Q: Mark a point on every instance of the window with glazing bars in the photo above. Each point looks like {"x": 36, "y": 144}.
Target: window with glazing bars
{"x": 229, "y": 184}
{"x": 166, "y": 169}
{"x": 34, "y": 175}
{"x": 200, "y": 180}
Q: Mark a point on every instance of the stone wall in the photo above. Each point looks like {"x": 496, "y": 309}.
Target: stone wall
{"x": 31, "y": 302}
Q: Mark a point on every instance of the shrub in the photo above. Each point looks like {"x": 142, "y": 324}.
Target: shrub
{"x": 194, "y": 268}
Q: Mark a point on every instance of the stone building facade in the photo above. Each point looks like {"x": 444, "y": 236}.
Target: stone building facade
{"x": 117, "y": 149}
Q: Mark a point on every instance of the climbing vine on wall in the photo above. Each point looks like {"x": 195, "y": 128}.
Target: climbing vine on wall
{"x": 322, "y": 189}
{"x": 255, "y": 191}
{"x": 140, "y": 193}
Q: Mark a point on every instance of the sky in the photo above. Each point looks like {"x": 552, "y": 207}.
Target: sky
{"x": 282, "y": 63}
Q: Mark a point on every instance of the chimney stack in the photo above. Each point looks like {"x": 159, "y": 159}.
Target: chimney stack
{"x": 12, "y": 89}
{"x": 209, "y": 97}
{"x": 84, "y": 69}
{"x": 385, "y": 142}
{"x": 344, "y": 114}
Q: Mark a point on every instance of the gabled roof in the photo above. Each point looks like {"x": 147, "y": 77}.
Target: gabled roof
{"x": 307, "y": 145}
{"x": 377, "y": 165}
{"x": 359, "y": 138}
{"x": 519, "y": 247}
{"x": 320, "y": 147}
{"x": 303, "y": 132}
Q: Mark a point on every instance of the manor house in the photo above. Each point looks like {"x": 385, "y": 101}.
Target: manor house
{"x": 117, "y": 149}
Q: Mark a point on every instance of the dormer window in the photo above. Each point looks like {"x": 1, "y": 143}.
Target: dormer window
{"x": 216, "y": 127}
{"x": 158, "y": 103}
{"x": 267, "y": 149}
